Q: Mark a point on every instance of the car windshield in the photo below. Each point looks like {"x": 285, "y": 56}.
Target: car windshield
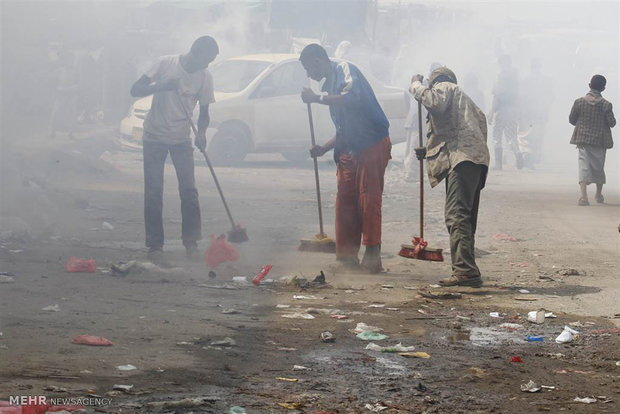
{"x": 235, "y": 75}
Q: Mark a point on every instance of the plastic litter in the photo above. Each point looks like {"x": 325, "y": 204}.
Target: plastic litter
{"x": 264, "y": 271}
{"x": 6, "y": 279}
{"x": 534, "y": 339}
{"x": 302, "y": 297}
{"x": 511, "y": 326}
{"x": 339, "y": 317}
{"x": 371, "y": 336}
{"x": 240, "y": 280}
{"x": 389, "y": 349}
{"x": 107, "y": 226}
{"x": 220, "y": 251}
{"x": 524, "y": 291}
{"x": 91, "y": 340}
{"x": 224, "y": 342}
{"x": 328, "y": 337}
{"x": 121, "y": 387}
{"x": 287, "y": 379}
{"x": 495, "y": 315}
{"x": 51, "y": 308}
{"x": 134, "y": 266}
{"x": 300, "y": 368}
{"x": 236, "y": 410}
{"x": 376, "y": 305}
{"x": 127, "y": 367}
{"x": 531, "y": 386}
{"x": 378, "y": 407}
{"x": 537, "y": 317}
{"x": 516, "y": 359}
{"x": 567, "y": 335}
{"x": 586, "y": 400}
{"x": 418, "y": 354}
{"x": 79, "y": 265}
{"x": 298, "y": 315}
{"x": 362, "y": 327}
{"x": 550, "y": 315}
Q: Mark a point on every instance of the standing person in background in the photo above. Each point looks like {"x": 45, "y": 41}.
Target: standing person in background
{"x": 536, "y": 100}
{"x": 504, "y": 114}
{"x": 362, "y": 149}
{"x": 177, "y": 83}
{"x": 593, "y": 119}
{"x": 456, "y": 150}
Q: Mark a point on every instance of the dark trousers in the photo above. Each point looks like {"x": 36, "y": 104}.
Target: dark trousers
{"x": 155, "y": 154}
{"x": 463, "y": 186}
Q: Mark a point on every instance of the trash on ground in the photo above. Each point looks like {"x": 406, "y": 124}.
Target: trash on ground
{"x": 91, "y": 340}
{"x": 550, "y": 315}
{"x": 289, "y": 406}
{"x": 393, "y": 309}
{"x": 567, "y": 335}
{"x": 240, "y": 280}
{"x": 531, "y": 386}
{"x": 236, "y": 410}
{"x": 212, "y": 274}
{"x": 495, "y": 315}
{"x": 287, "y": 379}
{"x": 362, "y": 327}
{"x": 586, "y": 400}
{"x": 298, "y": 315}
{"x": 441, "y": 295}
{"x": 371, "y": 336}
{"x": 262, "y": 273}
{"x": 524, "y": 291}
{"x": 304, "y": 297}
{"x": 79, "y": 265}
{"x": 6, "y": 279}
{"x": 51, "y": 308}
{"x": 378, "y": 407}
{"x": 339, "y": 317}
{"x": 537, "y": 317}
{"x": 377, "y": 305}
{"x": 220, "y": 251}
{"x": 516, "y": 358}
{"x": 282, "y": 306}
{"x": 224, "y": 342}
{"x": 511, "y": 326}
{"x": 107, "y": 226}
{"x": 504, "y": 237}
{"x": 534, "y": 338}
{"x": 54, "y": 388}
{"x": 136, "y": 267}
{"x": 418, "y": 354}
{"x": 121, "y": 387}
{"x": 127, "y": 367}
{"x": 389, "y": 349}
{"x": 328, "y": 337}
{"x": 300, "y": 368}
{"x": 230, "y": 311}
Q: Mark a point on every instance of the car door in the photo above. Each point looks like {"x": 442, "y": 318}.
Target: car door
{"x": 281, "y": 118}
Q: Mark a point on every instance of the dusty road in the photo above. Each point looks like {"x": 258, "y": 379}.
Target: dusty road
{"x": 165, "y": 324}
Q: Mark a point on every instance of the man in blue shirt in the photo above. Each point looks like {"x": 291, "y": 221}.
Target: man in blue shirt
{"x": 362, "y": 150}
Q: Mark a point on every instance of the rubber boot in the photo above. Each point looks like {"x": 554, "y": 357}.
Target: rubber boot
{"x": 371, "y": 262}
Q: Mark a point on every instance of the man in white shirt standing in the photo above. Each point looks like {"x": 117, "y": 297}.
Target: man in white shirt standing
{"x": 177, "y": 83}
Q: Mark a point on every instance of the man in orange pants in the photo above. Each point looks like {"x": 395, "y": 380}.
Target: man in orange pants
{"x": 362, "y": 150}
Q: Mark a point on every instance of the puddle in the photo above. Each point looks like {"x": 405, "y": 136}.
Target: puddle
{"x": 459, "y": 337}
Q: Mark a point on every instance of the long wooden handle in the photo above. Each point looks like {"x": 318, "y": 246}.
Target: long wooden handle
{"x": 316, "y": 171}
{"x": 421, "y": 171}
{"x": 204, "y": 153}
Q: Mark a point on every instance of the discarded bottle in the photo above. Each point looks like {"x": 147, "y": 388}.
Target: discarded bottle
{"x": 78, "y": 265}
{"x": 534, "y": 338}
{"x": 261, "y": 275}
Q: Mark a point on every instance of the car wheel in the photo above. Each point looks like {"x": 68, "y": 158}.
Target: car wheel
{"x": 228, "y": 146}
{"x": 296, "y": 156}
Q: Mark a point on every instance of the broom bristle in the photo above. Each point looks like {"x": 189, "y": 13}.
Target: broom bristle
{"x": 429, "y": 254}
{"x": 323, "y": 245}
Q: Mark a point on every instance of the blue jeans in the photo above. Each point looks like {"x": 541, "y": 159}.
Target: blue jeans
{"x": 155, "y": 154}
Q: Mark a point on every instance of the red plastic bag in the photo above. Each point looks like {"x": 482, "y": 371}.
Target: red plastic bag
{"x": 264, "y": 271}
{"x": 220, "y": 251}
{"x": 91, "y": 340}
{"x": 78, "y": 265}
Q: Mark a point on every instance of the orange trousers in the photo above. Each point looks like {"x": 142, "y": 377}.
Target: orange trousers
{"x": 359, "y": 198}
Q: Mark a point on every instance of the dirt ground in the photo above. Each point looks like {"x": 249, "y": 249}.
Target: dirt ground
{"x": 56, "y": 198}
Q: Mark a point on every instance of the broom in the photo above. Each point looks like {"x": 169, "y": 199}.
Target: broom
{"x": 321, "y": 242}
{"x": 419, "y": 248}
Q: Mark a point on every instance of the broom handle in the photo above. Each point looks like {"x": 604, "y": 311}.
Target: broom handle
{"x": 316, "y": 170}
{"x": 421, "y": 172}
{"x": 204, "y": 152}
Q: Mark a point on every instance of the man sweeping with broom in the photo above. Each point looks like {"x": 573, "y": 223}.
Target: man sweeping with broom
{"x": 362, "y": 149}
{"x": 456, "y": 150}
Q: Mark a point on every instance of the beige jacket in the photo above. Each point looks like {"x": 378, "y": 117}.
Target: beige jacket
{"x": 457, "y": 129}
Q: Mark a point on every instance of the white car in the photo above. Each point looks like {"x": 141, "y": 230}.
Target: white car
{"x": 258, "y": 109}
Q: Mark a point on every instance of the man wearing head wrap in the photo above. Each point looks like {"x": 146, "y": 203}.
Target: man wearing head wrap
{"x": 456, "y": 150}
{"x": 593, "y": 118}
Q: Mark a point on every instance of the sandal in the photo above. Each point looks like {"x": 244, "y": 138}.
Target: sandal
{"x": 461, "y": 280}
{"x": 583, "y": 202}
{"x": 600, "y": 199}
